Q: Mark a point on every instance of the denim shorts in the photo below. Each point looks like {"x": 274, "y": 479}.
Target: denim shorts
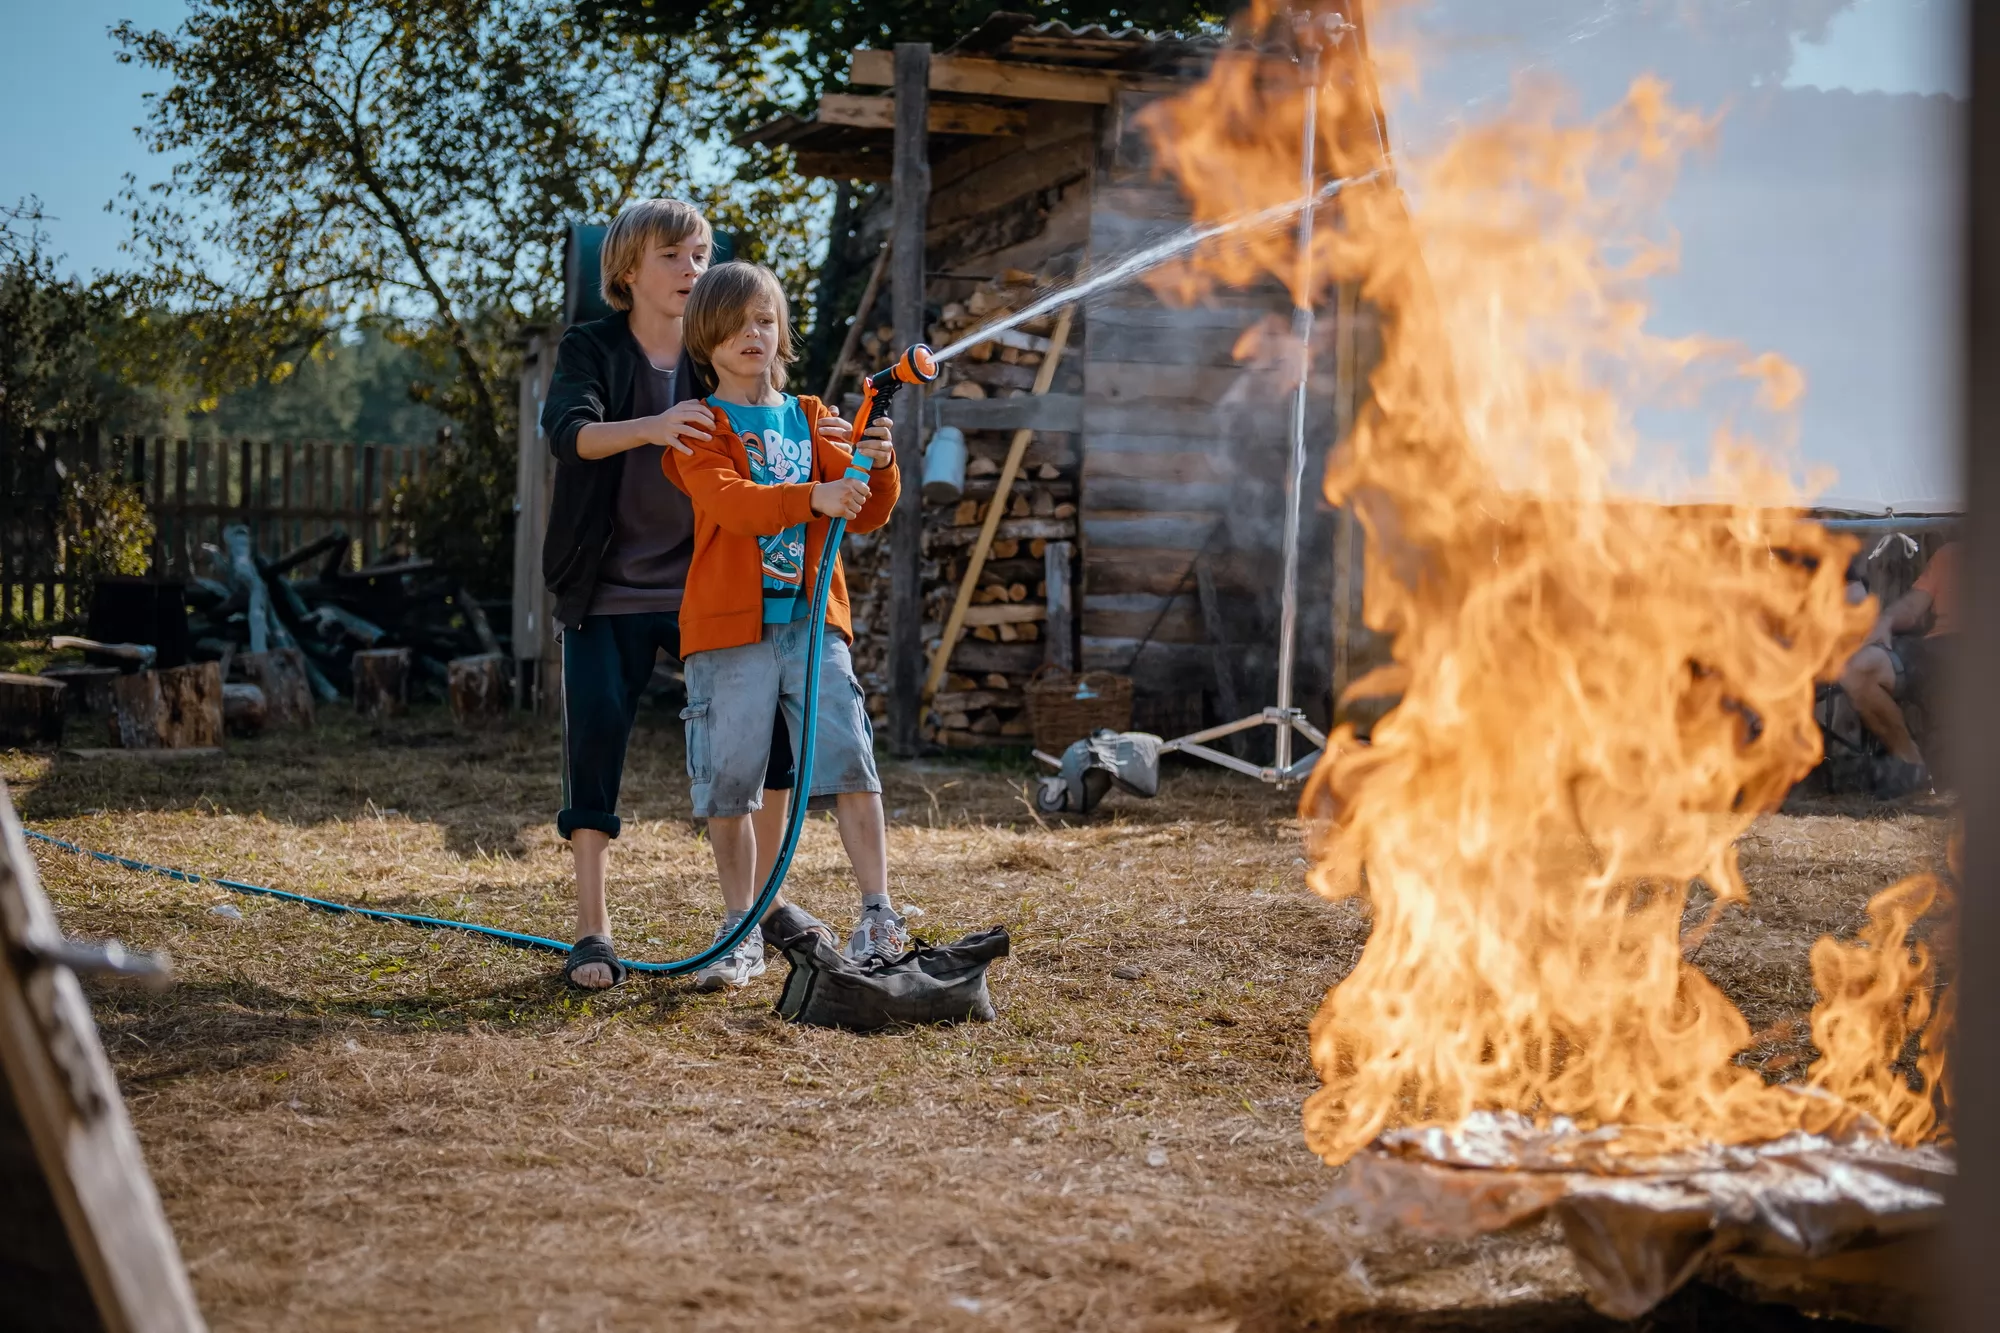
{"x": 731, "y": 692}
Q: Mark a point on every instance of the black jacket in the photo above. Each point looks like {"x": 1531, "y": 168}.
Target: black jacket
{"x": 597, "y": 366}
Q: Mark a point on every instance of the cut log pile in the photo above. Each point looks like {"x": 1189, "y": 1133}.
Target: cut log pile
{"x": 258, "y": 643}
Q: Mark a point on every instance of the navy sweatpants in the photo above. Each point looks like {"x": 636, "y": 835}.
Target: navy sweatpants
{"x": 607, "y": 661}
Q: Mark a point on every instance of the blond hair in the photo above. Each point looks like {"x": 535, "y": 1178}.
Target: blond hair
{"x": 720, "y": 305}
{"x": 637, "y": 228}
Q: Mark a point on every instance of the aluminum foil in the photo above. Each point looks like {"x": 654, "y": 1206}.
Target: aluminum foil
{"x": 1643, "y": 1213}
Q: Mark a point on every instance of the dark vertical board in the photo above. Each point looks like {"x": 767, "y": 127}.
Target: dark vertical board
{"x": 1974, "y": 1216}
{"x": 911, "y": 183}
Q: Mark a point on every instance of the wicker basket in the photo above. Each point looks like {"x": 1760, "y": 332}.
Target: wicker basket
{"x": 1061, "y": 718}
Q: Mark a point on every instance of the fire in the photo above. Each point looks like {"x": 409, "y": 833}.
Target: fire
{"x": 1601, "y": 691}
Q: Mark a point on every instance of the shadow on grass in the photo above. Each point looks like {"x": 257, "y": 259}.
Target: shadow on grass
{"x": 207, "y": 1028}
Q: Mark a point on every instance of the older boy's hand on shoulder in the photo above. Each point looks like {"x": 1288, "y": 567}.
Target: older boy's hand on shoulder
{"x": 835, "y": 429}
{"x": 840, "y": 499}
{"x": 684, "y": 421}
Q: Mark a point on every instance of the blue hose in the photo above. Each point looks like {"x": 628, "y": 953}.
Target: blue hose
{"x": 795, "y": 821}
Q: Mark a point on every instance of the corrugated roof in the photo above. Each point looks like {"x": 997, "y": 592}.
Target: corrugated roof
{"x": 1008, "y": 36}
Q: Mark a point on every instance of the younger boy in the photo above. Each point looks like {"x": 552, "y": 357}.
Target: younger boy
{"x": 765, "y": 485}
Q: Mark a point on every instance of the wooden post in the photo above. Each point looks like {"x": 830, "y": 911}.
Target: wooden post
{"x": 1060, "y": 649}
{"x": 911, "y": 184}
{"x": 83, "y": 1233}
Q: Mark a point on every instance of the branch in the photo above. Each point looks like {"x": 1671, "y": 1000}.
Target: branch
{"x": 645, "y": 147}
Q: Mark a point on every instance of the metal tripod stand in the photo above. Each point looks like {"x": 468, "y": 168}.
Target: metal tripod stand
{"x": 1283, "y": 717}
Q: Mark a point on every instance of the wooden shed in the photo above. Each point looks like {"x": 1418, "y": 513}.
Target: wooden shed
{"x": 1157, "y": 468}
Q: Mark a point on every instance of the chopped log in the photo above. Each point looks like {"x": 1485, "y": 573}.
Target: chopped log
{"x": 1004, "y": 613}
{"x": 993, "y": 680}
{"x": 176, "y": 709}
{"x": 87, "y": 689}
{"x": 1013, "y": 529}
{"x": 281, "y": 675}
{"x": 977, "y": 740}
{"x": 382, "y": 682}
{"x": 243, "y": 710}
{"x": 479, "y": 693}
{"x": 32, "y": 710}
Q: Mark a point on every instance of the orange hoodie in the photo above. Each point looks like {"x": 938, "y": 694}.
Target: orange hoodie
{"x": 723, "y": 606}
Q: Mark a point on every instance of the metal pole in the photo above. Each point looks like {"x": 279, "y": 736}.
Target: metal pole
{"x": 1302, "y": 327}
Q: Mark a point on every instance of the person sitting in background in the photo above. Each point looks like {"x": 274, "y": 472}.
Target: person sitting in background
{"x": 1897, "y": 665}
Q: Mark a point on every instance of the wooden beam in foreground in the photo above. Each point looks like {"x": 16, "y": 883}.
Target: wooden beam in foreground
{"x": 879, "y": 113}
{"x": 83, "y": 1243}
{"x": 992, "y": 78}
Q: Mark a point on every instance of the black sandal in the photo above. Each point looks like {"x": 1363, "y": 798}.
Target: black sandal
{"x": 593, "y": 949}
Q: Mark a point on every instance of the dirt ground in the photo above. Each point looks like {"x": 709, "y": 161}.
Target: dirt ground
{"x": 357, "y": 1126}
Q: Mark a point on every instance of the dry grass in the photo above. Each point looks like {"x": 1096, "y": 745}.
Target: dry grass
{"x": 358, "y": 1126}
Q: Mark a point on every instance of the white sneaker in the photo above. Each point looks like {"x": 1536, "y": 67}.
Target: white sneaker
{"x": 879, "y": 934}
{"x": 735, "y": 968}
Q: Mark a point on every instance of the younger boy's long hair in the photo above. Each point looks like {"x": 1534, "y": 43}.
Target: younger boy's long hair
{"x": 720, "y": 305}
{"x": 638, "y": 227}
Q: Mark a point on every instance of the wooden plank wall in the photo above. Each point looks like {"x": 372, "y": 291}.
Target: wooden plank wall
{"x": 1185, "y": 453}
{"x": 996, "y": 204}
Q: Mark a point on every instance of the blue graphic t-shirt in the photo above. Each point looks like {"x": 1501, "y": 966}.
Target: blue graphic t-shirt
{"x": 780, "y": 449}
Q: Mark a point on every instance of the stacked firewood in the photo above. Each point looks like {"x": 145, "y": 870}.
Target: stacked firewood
{"x": 981, "y": 699}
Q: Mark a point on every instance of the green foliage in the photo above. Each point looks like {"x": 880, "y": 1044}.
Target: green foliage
{"x": 48, "y": 358}
{"x": 356, "y": 389}
{"x": 105, "y": 528}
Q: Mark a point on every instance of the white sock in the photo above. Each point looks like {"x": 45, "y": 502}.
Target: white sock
{"x": 876, "y": 902}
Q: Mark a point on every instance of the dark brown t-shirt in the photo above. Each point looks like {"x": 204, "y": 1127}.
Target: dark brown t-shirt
{"x": 652, "y": 540}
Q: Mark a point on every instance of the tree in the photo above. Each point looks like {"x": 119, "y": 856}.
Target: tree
{"x": 47, "y": 327}
{"x": 417, "y": 160}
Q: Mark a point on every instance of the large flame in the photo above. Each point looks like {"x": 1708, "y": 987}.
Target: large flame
{"x": 1600, "y": 691}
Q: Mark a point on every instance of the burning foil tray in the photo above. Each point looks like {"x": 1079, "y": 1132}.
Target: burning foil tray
{"x": 1835, "y": 1226}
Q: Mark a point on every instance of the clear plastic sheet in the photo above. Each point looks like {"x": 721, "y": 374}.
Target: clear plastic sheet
{"x": 1642, "y": 1218}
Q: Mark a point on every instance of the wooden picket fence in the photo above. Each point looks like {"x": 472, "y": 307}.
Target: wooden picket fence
{"x": 287, "y": 492}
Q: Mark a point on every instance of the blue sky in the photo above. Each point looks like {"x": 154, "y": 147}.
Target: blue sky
{"x": 69, "y": 108}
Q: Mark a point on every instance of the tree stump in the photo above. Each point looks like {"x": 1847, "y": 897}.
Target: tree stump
{"x": 177, "y": 709}
{"x": 479, "y": 693}
{"x": 382, "y": 682}
{"x": 244, "y": 710}
{"x": 87, "y": 689}
{"x": 32, "y": 710}
{"x": 281, "y": 674}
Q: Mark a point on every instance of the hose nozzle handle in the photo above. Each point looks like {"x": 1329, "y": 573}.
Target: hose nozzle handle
{"x": 916, "y": 366}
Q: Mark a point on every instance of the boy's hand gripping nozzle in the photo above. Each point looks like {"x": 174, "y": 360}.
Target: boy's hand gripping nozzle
{"x": 916, "y": 366}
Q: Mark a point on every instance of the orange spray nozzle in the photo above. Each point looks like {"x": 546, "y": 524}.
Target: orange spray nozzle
{"x": 916, "y": 366}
